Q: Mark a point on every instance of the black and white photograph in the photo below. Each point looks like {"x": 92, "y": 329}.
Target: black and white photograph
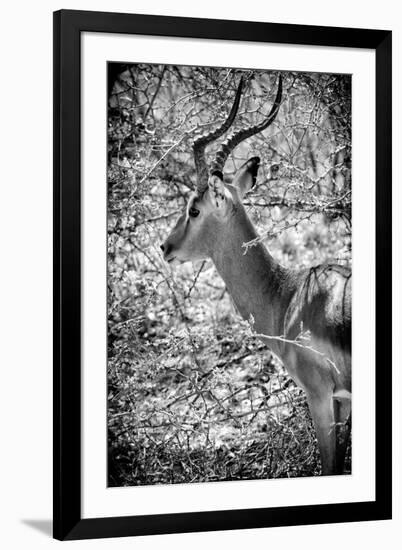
{"x": 188, "y": 189}
{"x": 229, "y": 289}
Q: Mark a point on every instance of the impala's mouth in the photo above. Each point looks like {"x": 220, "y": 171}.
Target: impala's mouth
{"x": 171, "y": 259}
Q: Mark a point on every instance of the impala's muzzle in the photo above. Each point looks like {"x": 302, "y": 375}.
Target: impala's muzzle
{"x": 167, "y": 249}
{"x": 173, "y": 243}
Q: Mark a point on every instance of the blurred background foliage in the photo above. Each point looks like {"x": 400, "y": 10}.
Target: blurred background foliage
{"x": 192, "y": 395}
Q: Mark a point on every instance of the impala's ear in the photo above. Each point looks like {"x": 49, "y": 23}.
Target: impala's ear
{"x": 217, "y": 189}
{"x": 246, "y": 176}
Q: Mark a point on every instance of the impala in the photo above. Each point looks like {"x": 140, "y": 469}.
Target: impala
{"x": 283, "y": 303}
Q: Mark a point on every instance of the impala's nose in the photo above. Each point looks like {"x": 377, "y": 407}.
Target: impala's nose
{"x": 166, "y": 249}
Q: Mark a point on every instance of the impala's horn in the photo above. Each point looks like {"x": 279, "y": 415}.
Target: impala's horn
{"x": 228, "y": 146}
{"x": 203, "y": 141}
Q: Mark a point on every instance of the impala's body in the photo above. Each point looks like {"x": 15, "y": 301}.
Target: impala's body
{"x": 283, "y": 303}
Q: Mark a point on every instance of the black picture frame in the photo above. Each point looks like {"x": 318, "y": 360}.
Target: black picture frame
{"x": 68, "y": 27}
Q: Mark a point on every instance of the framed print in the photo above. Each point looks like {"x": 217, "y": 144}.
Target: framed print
{"x": 215, "y": 184}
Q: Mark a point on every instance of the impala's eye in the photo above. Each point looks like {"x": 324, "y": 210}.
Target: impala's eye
{"x": 193, "y": 212}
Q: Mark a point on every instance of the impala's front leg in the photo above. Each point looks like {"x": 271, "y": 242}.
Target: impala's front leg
{"x": 314, "y": 376}
{"x": 342, "y": 414}
{"x": 322, "y": 412}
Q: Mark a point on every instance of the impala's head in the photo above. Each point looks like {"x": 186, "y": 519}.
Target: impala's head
{"x": 214, "y": 202}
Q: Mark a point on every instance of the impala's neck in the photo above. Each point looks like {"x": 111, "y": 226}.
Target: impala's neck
{"x": 257, "y": 283}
